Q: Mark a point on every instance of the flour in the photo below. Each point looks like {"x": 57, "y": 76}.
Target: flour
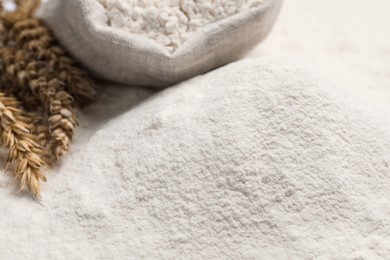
{"x": 256, "y": 160}
{"x": 171, "y": 23}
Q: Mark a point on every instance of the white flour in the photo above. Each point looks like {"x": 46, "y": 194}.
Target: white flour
{"x": 172, "y": 22}
{"x": 253, "y": 161}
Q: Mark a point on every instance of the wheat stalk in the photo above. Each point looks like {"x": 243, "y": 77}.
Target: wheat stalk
{"x": 15, "y": 131}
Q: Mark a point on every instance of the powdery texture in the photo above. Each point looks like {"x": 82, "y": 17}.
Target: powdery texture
{"x": 324, "y": 34}
{"x": 172, "y": 22}
{"x": 253, "y": 161}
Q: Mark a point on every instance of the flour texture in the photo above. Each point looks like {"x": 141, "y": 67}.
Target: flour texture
{"x": 171, "y": 23}
{"x": 257, "y": 160}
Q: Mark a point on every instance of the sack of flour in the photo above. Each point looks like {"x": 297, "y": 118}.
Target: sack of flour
{"x": 158, "y": 43}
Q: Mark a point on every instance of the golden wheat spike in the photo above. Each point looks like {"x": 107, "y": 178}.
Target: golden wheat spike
{"x": 24, "y": 150}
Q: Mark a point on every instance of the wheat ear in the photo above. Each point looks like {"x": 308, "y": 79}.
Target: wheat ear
{"x": 31, "y": 34}
{"x": 62, "y": 116}
{"x": 27, "y": 69}
{"x": 15, "y": 130}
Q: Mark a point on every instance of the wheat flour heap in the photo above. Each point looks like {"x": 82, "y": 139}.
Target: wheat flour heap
{"x": 256, "y": 160}
{"x": 171, "y": 23}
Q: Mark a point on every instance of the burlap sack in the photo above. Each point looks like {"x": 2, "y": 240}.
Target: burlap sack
{"x": 119, "y": 56}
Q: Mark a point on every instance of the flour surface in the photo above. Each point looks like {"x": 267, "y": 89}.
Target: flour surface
{"x": 267, "y": 163}
{"x": 171, "y": 23}
{"x": 256, "y": 160}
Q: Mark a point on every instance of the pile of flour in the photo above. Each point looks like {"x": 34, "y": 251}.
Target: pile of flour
{"x": 172, "y": 22}
{"x": 256, "y": 160}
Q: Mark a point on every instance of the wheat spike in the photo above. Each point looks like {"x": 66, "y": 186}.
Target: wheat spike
{"x": 29, "y": 70}
{"x": 36, "y": 70}
{"x": 11, "y": 68}
{"x": 58, "y": 104}
{"x": 23, "y": 148}
{"x": 31, "y": 34}
{"x": 62, "y": 117}
{"x": 32, "y": 80}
